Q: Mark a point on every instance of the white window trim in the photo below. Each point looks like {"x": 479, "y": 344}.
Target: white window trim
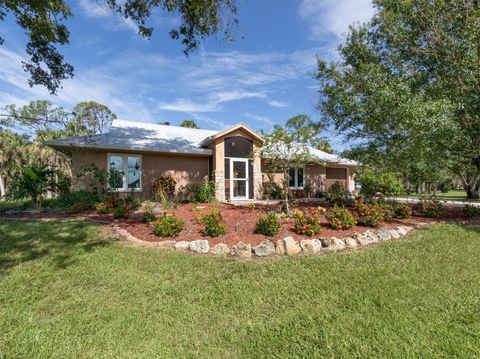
{"x": 295, "y": 179}
{"x": 125, "y": 172}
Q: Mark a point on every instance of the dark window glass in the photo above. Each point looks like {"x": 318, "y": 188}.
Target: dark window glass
{"x": 299, "y": 177}
{"x": 238, "y": 146}
{"x": 227, "y": 168}
{"x": 291, "y": 179}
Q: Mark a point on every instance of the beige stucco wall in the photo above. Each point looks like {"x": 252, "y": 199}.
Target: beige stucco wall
{"x": 315, "y": 176}
{"x": 218, "y": 165}
{"x": 185, "y": 169}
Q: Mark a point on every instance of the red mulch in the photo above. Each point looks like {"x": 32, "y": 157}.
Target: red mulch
{"x": 240, "y": 222}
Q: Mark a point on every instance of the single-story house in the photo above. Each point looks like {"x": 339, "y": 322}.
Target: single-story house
{"x": 231, "y": 158}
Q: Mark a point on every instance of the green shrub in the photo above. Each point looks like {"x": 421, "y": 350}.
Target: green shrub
{"x": 306, "y": 222}
{"x": 402, "y": 210}
{"x": 340, "y": 218}
{"x": 148, "y": 215}
{"x": 389, "y": 184}
{"x": 337, "y": 194}
{"x": 163, "y": 187}
{"x": 213, "y": 223}
{"x": 387, "y": 211}
{"x": 269, "y": 225}
{"x": 271, "y": 190}
{"x": 168, "y": 226}
{"x": 122, "y": 211}
{"x": 203, "y": 192}
{"x": 102, "y": 208}
{"x": 430, "y": 207}
{"x": 370, "y": 215}
{"x": 471, "y": 211}
{"x": 74, "y": 202}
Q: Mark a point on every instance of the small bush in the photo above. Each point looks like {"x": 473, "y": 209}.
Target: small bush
{"x": 471, "y": 211}
{"x": 102, "y": 208}
{"x": 168, "y": 226}
{"x": 306, "y": 222}
{"x": 402, "y": 210}
{"x": 370, "y": 215}
{"x": 430, "y": 207}
{"x": 163, "y": 187}
{"x": 121, "y": 211}
{"x": 203, "y": 192}
{"x": 388, "y": 184}
{"x": 74, "y": 202}
{"x": 387, "y": 211}
{"x": 271, "y": 190}
{"x": 148, "y": 215}
{"x": 341, "y": 218}
{"x": 269, "y": 225}
{"x": 213, "y": 223}
{"x": 337, "y": 194}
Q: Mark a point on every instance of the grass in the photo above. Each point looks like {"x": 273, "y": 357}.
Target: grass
{"x": 450, "y": 195}
{"x": 66, "y": 293}
{"x": 16, "y": 205}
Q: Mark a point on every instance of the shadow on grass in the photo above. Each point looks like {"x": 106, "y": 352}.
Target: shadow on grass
{"x": 62, "y": 241}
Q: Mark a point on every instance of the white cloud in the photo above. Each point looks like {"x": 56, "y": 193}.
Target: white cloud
{"x": 212, "y": 105}
{"x": 95, "y": 9}
{"x": 258, "y": 118}
{"x": 277, "y": 104}
{"x": 332, "y": 17}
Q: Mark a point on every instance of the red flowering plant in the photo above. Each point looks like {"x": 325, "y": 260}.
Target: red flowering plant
{"x": 430, "y": 207}
{"x": 306, "y": 222}
{"x": 370, "y": 215}
{"x": 341, "y": 218}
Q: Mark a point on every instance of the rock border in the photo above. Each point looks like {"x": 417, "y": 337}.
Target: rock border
{"x": 287, "y": 246}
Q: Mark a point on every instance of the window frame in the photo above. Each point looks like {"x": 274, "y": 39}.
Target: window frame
{"x": 125, "y": 156}
{"x": 295, "y": 178}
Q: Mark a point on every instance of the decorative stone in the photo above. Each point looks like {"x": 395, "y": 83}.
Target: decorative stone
{"x": 220, "y": 249}
{"x": 327, "y": 244}
{"x": 362, "y": 239}
{"x": 351, "y": 243}
{"x": 394, "y": 234}
{"x": 371, "y": 236}
{"x": 182, "y": 246}
{"x": 310, "y": 246}
{"x": 157, "y": 209}
{"x": 338, "y": 243}
{"x": 264, "y": 249}
{"x": 288, "y": 246}
{"x": 384, "y": 234}
{"x": 402, "y": 230}
{"x": 199, "y": 246}
{"x": 408, "y": 228}
{"x": 167, "y": 243}
{"x": 242, "y": 250}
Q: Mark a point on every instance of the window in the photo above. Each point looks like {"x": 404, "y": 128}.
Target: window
{"x": 295, "y": 179}
{"x": 124, "y": 172}
{"x": 239, "y": 147}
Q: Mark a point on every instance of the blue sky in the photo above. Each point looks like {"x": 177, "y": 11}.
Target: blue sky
{"x": 264, "y": 77}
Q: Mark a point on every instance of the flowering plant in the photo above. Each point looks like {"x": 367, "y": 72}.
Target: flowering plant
{"x": 341, "y": 218}
{"x": 307, "y": 222}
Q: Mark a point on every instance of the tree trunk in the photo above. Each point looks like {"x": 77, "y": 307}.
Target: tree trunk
{"x": 2, "y": 189}
{"x": 472, "y": 186}
{"x": 285, "y": 191}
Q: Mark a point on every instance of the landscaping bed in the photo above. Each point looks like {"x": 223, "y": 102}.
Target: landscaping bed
{"x": 240, "y": 222}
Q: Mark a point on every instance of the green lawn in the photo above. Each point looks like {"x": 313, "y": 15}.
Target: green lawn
{"x": 452, "y": 195}
{"x": 66, "y": 294}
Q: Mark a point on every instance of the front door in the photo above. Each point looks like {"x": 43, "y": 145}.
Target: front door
{"x": 238, "y": 178}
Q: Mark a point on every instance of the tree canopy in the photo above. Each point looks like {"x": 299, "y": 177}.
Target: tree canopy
{"x": 189, "y": 124}
{"x": 44, "y": 22}
{"x": 287, "y": 147}
{"x": 406, "y": 90}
